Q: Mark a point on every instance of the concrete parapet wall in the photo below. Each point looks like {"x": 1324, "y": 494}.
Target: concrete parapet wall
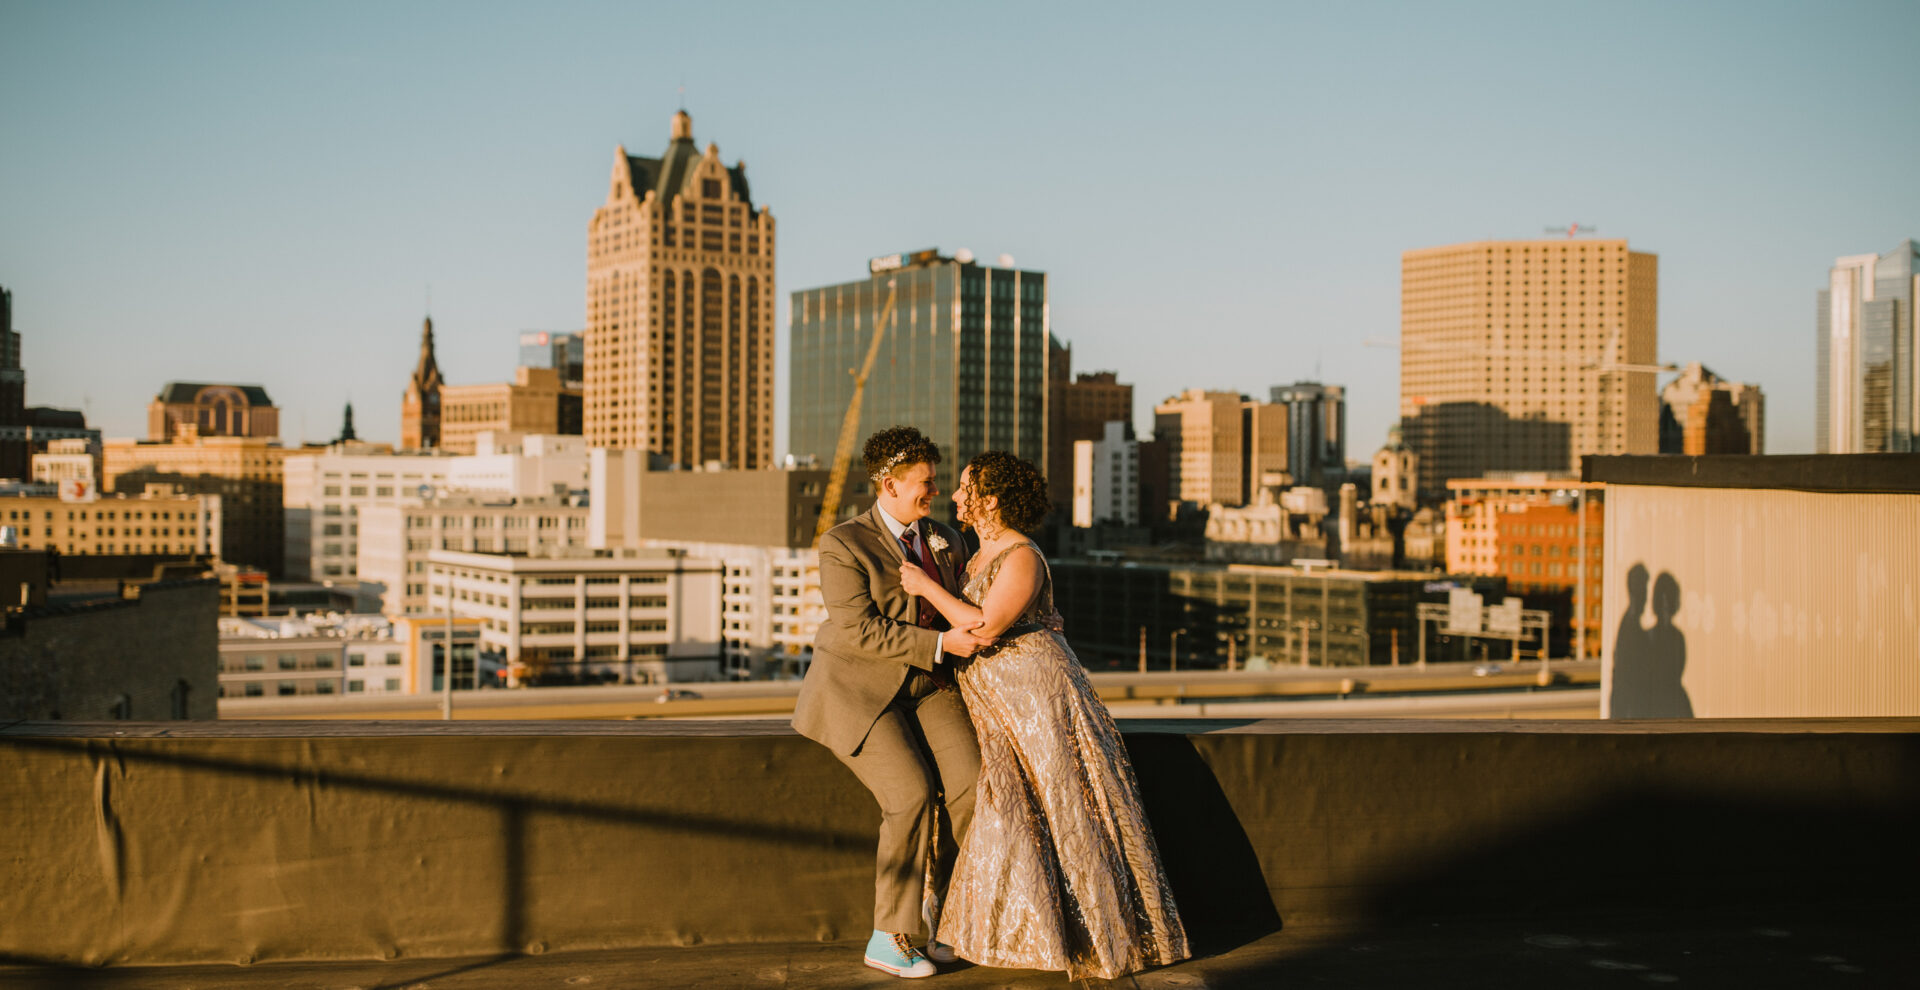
{"x": 249, "y": 842}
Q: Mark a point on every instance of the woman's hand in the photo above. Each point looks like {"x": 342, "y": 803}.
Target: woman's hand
{"x": 916, "y": 580}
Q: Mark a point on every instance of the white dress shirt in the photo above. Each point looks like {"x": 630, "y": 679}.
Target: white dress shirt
{"x": 899, "y": 530}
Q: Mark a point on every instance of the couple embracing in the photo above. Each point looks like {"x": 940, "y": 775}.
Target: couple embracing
{"x": 941, "y": 679}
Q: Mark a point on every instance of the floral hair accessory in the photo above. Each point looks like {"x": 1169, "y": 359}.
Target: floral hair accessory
{"x": 887, "y": 468}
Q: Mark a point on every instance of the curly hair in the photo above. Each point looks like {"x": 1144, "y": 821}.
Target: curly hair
{"x": 1020, "y": 486}
{"x": 895, "y": 449}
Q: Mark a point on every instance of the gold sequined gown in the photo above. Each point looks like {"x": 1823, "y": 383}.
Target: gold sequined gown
{"x": 1058, "y": 870}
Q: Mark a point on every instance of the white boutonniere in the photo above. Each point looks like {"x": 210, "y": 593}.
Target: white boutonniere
{"x": 937, "y": 542}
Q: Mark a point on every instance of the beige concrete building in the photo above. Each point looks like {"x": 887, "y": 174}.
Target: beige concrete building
{"x": 1222, "y": 446}
{"x": 528, "y": 404}
{"x": 246, "y": 472}
{"x": 1526, "y": 356}
{"x": 395, "y": 538}
{"x": 680, "y": 310}
{"x": 158, "y": 521}
{"x": 629, "y": 615}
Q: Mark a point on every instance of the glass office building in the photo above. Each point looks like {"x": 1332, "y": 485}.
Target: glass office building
{"x": 964, "y": 359}
{"x": 563, "y": 352}
{"x": 1864, "y": 396}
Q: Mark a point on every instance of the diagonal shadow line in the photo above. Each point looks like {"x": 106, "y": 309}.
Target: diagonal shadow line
{"x": 783, "y": 834}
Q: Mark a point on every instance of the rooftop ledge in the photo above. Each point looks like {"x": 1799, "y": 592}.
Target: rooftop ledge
{"x": 331, "y": 842}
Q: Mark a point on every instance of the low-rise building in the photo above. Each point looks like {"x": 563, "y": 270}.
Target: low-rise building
{"x": 1211, "y": 615}
{"x": 246, "y": 472}
{"x": 160, "y": 520}
{"x": 534, "y": 402}
{"x": 395, "y": 539}
{"x": 326, "y": 490}
{"x": 1528, "y": 530}
{"x": 640, "y": 616}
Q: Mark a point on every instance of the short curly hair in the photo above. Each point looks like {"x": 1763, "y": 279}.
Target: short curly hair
{"x": 896, "y": 448}
{"x": 1020, "y": 486}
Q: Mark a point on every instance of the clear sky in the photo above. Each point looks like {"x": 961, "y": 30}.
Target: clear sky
{"x": 1220, "y": 193}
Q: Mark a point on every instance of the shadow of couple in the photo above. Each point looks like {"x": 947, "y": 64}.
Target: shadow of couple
{"x": 1648, "y": 661}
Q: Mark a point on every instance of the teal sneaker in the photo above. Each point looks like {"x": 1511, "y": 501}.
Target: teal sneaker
{"x": 892, "y": 952}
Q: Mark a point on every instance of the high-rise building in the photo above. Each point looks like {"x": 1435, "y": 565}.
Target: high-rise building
{"x": 965, "y": 359}
{"x": 1222, "y": 446}
{"x": 1106, "y": 477}
{"x": 26, "y": 431}
{"x": 1526, "y": 356}
{"x": 565, "y": 353}
{"x": 212, "y": 411}
{"x": 1865, "y": 400}
{"x": 1702, "y": 414}
{"x": 1316, "y": 432}
{"x": 1086, "y": 405}
{"x": 420, "y": 406}
{"x": 680, "y": 310}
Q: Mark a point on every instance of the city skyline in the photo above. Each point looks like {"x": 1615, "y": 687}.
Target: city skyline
{"x": 256, "y": 196}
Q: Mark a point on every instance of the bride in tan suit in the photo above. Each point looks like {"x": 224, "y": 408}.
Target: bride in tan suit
{"x": 1058, "y": 869}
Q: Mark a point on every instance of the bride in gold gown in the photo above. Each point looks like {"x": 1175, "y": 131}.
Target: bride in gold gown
{"x": 1058, "y": 870}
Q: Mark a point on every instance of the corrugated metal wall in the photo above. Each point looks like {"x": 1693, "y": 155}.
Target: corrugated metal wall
{"x": 1788, "y": 603}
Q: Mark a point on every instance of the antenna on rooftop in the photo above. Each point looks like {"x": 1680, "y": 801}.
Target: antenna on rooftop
{"x": 1573, "y": 230}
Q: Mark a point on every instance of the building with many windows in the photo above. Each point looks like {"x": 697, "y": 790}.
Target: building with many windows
{"x": 534, "y": 402}
{"x": 1528, "y": 530}
{"x": 1865, "y": 395}
{"x": 757, "y": 524}
{"x": 325, "y": 491}
{"x": 1526, "y": 356}
{"x": 160, "y": 520}
{"x": 246, "y": 472}
{"x": 1222, "y": 447}
{"x": 964, "y": 359}
{"x": 1702, "y": 414}
{"x": 396, "y": 539}
{"x": 1106, "y": 477}
{"x": 632, "y": 616}
{"x": 1316, "y": 432}
{"x": 680, "y": 310}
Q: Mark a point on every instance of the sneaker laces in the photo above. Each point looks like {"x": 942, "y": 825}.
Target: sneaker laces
{"x": 903, "y": 945}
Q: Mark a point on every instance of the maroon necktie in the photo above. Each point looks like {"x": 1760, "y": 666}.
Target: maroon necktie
{"x": 928, "y": 614}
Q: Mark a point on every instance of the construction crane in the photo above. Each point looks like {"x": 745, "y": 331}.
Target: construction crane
{"x": 850, "y": 425}
{"x": 813, "y": 609}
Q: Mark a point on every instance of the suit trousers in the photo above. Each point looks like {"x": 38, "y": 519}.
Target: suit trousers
{"x": 922, "y": 722}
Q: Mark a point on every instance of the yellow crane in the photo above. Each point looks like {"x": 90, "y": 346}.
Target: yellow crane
{"x": 850, "y": 425}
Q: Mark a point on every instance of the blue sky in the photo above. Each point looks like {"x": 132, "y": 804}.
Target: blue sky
{"x": 263, "y": 192}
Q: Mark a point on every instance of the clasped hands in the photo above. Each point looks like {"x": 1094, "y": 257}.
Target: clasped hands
{"x": 957, "y": 641}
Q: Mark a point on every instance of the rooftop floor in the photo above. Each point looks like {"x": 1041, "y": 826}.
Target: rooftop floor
{"x": 1808, "y": 950}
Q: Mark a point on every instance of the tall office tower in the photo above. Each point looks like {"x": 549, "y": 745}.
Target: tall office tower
{"x": 1316, "y": 432}
{"x": 420, "y": 407}
{"x": 964, "y": 359}
{"x": 1526, "y": 356}
{"x": 1082, "y": 408}
{"x": 16, "y": 452}
{"x": 1864, "y": 395}
{"x": 1702, "y": 414}
{"x": 1221, "y": 446}
{"x": 565, "y": 353}
{"x": 680, "y": 310}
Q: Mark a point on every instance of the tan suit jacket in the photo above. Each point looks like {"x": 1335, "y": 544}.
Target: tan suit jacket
{"x": 870, "y": 639}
